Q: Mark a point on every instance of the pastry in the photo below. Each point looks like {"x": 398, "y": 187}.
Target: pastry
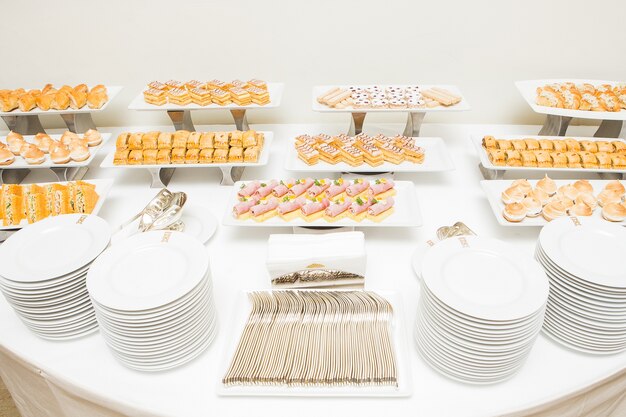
{"x": 616, "y": 186}
{"x": 553, "y": 210}
{"x": 180, "y": 139}
{"x": 514, "y": 212}
{"x": 164, "y": 141}
{"x": 540, "y": 195}
{"x": 512, "y": 195}
{"x": 79, "y": 152}
{"x": 220, "y": 156}
{"x": 26, "y": 102}
{"x": 609, "y": 196}
{"x": 43, "y": 142}
{"x": 523, "y": 185}
{"x": 122, "y": 141}
{"x": 178, "y": 96}
{"x": 6, "y": 157}
{"x": 251, "y": 155}
{"x": 580, "y": 209}
{"x": 78, "y": 98}
{"x": 60, "y": 154}
{"x": 150, "y": 156}
{"x": 94, "y": 138}
{"x": 206, "y": 156}
{"x": 32, "y": 154}
{"x": 192, "y": 156}
{"x": 235, "y": 139}
{"x": 583, "y": 186}
{"x": 68, "y": 137}
{"x": 163, "y": 156}
{"x": 120, "y": 157}
{"x": 235, "y": 154}
{"x": 587, "y": 199}
{"x": 221, "y": 140}
{"x": 206, "y": 140}
{"x": 533, "y": 206}
{"x": 614, "y": 212}
{"x": 154, "y": 96}
{"x": 178, "y": 155}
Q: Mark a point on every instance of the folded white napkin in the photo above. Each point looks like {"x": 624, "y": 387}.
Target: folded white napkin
{"x": 334, "y": 251}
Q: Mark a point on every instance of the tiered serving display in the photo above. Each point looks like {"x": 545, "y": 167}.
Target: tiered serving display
{"x": 67, "y": 154}
{"x": 20, "y": 107}
{"x": 324, "y": 202}
{"x": 161, "y": 152}
{"x": 415, "y": 99}
{"x": 563, "y": 99}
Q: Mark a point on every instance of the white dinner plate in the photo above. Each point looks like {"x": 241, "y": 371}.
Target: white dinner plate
{"x": 485, "y": 278}
{"x": 588, "y": 248}
{"x": 147, "y": 270}
{"x": 199, "y": 222}
{"x": 436, "y": 159}
{"x": 59, "y": 245}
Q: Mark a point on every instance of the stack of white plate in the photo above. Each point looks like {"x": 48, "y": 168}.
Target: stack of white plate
{"x": 153, "y": 298}
{"x": 43, "y": 269}
{"x": 481, "y": 308}
{"x": 585, "y": 259}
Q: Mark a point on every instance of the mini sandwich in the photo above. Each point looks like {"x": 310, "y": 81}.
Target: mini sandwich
{"x": 381, "y": 209}
{"x": 85, "y": 198}
{"x": 35, "y": 207}
{"x": 13, "y": 209}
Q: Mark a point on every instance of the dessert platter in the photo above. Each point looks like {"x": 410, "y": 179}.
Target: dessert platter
{"x": 324, "y": 202}
{"x": 21, "y": 205}
{"x": 535, "y": 203}
{"x": 362, "y": 99}
{"x": 178, "y": 98}
{"x": 67, "y": 154}
{"x": 161, "y": 152}
{"x": 363, "y": 153}
{"x": 20, "y": 108}
{"x": 550, "y": 154}
{"x": 564, "y": 99}
{"x": 354, "y": 327}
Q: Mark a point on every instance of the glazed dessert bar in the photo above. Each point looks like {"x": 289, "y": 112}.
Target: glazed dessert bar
{"x": 388, "y": 97}
{"x": 315, "y": 338}
{"x": 184, "y": 147}
{"x": 50, "y": 98}
{"x": 204, "y": 93}
{"x": 556, "y": 153}
{"x": 312, "y": 199}
{"x": 576, "y": 199}
{"x": 358, "y": 150}
{"x": 605, "y": 97}
{"x": 34, "y": 202}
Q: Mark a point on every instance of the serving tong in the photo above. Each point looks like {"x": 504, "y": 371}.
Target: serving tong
{"x": 457, "y": 229}
{"x": 163, "y": 212}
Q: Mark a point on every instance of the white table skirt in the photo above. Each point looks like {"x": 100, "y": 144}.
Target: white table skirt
{"x": 82, "y": 378}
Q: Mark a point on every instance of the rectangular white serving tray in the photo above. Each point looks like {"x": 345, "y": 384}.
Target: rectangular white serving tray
{"x": 112, "y": 91}
{"x": 493, "y": 191}
{"x": 20, "y": 163}
{"x": 275, "y": 90}
{"x": 263, "y": 159}
{"x": 400, "y": 342}
{"x": 484, "y": 159}
{"x": 102, "y": 188}
{"x": 321, "y": 89}
{"x": 406, "y": 213}
{"x": 436, "y": 159}
{"x": 528, "y": 89}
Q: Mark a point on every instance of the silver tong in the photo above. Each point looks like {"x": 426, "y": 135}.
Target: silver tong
{"x": 457, "y": 229}
{"x": 163, "y": 212}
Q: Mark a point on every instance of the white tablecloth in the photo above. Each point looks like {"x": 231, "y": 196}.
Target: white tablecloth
{"x": 81, "y": 377}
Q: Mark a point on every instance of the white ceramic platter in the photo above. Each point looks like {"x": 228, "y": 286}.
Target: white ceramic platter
{"x": 528, "y": 89}
{"x": 275, "y": 90}
{"x": 406, "y": 213}
{"x": 484, "y": 159}
{"x": 436, "y": 159}
{"x": 112, "y": 91}
{"x": 321, "y": 89}
{"x": 493, "y": 191}
{"x": 102, "y": 188}
{"x": 263, "y": 158}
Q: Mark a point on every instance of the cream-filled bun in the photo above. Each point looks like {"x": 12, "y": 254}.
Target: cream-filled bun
{"x": 554, "y": 210}
{"x": 14, "y": 135}
{"x": 533, "y": 206}
{"x": 614, "y": 212}
{"x": 616, "y": 186}
{"x": 6, "y": 157}
{"x": 32, "y": 155}
{"x": 94, "y": 138}
{"x": 43, "y": 142}
{"x": 514, "y": 212}
{"x": 68, "y": 137}
{"x": 583, "y": 186}
{"x": 580, "y": 209}
{"x": 79, "y": 152}
{"x": 15, "y": 145}
{"x": 547, "y": 184}
{"x": 512, "y": 195}
{"x": 60, "y": 154}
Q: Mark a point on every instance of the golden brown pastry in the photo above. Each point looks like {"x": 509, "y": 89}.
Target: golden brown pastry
{"x": 61, "y": 100}
{"x": 616, "y": 186}
{"x": 122, "y": 141}
{"x": 505, "y": 144}
{"x": 26, "y": 102}
{"x": 164, "y": 156}
{"x": 580, "y": 209}
{"x": 589, "y": 146}
{"x": 135, "y": 157}
{"x": 512, "y": 195}
{"x": 44, "y": 101}
{"x": 614, "y": 212}
{"x": 149, "y": 140}
{"x": 547, "y": 185}
{"x": 178, "y": 155}
{"x": 193, "y": 142}
{"x": 78, "y": 99}
{"x": 150, "y": 156}
{"x": 497, "y": 157}
{"x": 93, "y": 137}
{"x": 135, "y": 142}
{"x": 206, "y": 140}
{"x": 164, "y": 141}
{"x": 489, "y": 142}
{"x": 32, "y": 154}
{"x": 572, "y": 145}
{"x": 529, "y": 159}
{"x": 554, "y": 210}
{"x": 6, "y": 157}
{"x": 514, "y": 212}
{"x": 79, "y": 152}
{"x": 97, "y": 97}
{"x": 180, "y": 139}
{"x": 60, "y": 154}
{"x": 546, "y": 145}
{"x": 192, "y": 156}
{"x": 206, "y": 156}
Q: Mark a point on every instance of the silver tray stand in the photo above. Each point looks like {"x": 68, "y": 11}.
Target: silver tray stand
{"x": 412, "y": 128}
{"x": 181, "y": 119}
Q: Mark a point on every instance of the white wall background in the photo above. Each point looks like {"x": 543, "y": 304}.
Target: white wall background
{"x": 481, "y": 45}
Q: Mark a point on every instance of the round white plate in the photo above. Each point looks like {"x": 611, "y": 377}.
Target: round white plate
{"x": 593, "y": 250}
{"x": 199, "y": 222}
{"x": 53, "y": 247}
{"x": 485, "y": 278}
{"x": 147, "y": 270}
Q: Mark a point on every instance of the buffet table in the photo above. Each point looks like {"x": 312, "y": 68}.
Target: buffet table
{"x": 81, "y": 377}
